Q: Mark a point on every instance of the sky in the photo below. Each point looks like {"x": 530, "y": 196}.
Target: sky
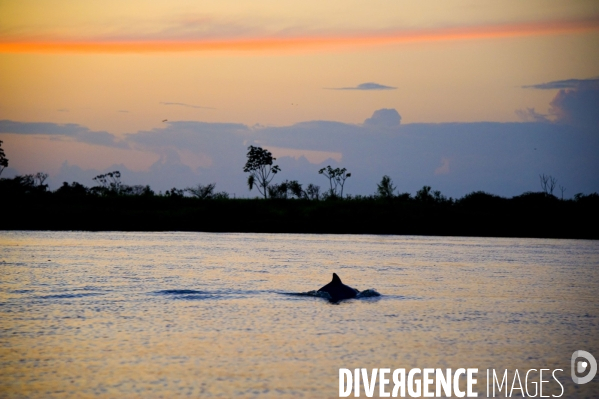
{"x": 459, "y": 95}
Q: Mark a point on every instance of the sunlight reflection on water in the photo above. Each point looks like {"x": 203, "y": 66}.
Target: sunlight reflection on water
{"x": 116, "y": 314}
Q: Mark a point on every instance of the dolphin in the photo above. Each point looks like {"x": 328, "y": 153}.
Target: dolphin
{"x": 338, "y": 291}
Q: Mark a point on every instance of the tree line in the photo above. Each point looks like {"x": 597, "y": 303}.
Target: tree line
{"x": 290, "y": 207}
{"x": 261, "y": 171}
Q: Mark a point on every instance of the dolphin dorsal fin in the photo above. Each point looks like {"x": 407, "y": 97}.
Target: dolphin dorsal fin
{"x": 336, "y": 278}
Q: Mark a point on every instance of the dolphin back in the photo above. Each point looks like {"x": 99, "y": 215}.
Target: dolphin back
{"x": 339, "y": 291}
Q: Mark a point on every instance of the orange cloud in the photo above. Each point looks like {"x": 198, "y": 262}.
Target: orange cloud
{"x": 298, "y": 43}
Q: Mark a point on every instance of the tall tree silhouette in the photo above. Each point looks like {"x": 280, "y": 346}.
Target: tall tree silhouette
{"x": 385, "y": 189}
{"x": 261, "y": 169}
{"x": 336, "y": 178}
{"x": 110, "y": 182}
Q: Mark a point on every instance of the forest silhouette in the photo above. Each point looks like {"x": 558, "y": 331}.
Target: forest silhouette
{"x": 288, "y": 207}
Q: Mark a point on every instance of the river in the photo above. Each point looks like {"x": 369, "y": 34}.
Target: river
{"x": 172, "y": 314}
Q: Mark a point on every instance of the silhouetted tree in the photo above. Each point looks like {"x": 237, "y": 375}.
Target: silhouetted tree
{"x": 295, "y": 188}
{"x": 3, "y": 159}
{"x": 25, "y": 182}
{"x": 286, "y": 189}
{"x": 313, "y": 192}
{"x": 336, "y": 178}
{"x": 174, "y": 193}
{"x": 385, "y": 188}
{"x": 261, "y": 169}
{"x": 547, "y": 183}
{"x": 19, "y": 185}
{"x": 40, "y": 178}
{"x": 73, "y": 190}
{"x": 562, "y": 189}
{"x": 202, "y": 191}
{"x": 277, "y": 191}
{"x": 425, "y": 194}
{"x": 110, "y": 182}
{"x": 440, "y": 198}
{"x": 137, "y": 190}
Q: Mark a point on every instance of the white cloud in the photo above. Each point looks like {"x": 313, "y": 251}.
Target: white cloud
{"x": 384, "y": 118}
{"x": 530, "y": 115}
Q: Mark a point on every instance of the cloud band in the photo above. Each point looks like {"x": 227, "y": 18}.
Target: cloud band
{"x": 308, "y": 42}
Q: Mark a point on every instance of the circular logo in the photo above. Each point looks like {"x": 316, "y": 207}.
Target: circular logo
{"x": 578, "y": 366}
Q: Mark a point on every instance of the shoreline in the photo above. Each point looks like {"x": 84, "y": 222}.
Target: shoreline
{"x": 534, "y": 217}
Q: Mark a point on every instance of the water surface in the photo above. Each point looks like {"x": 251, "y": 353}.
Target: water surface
{"x": 150, "y": 315}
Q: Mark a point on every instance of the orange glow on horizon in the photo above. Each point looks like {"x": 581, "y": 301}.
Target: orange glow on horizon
{"x": 299, "y": 43}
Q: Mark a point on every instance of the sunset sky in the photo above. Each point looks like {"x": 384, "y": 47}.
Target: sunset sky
{"x": 86, "y": 87}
